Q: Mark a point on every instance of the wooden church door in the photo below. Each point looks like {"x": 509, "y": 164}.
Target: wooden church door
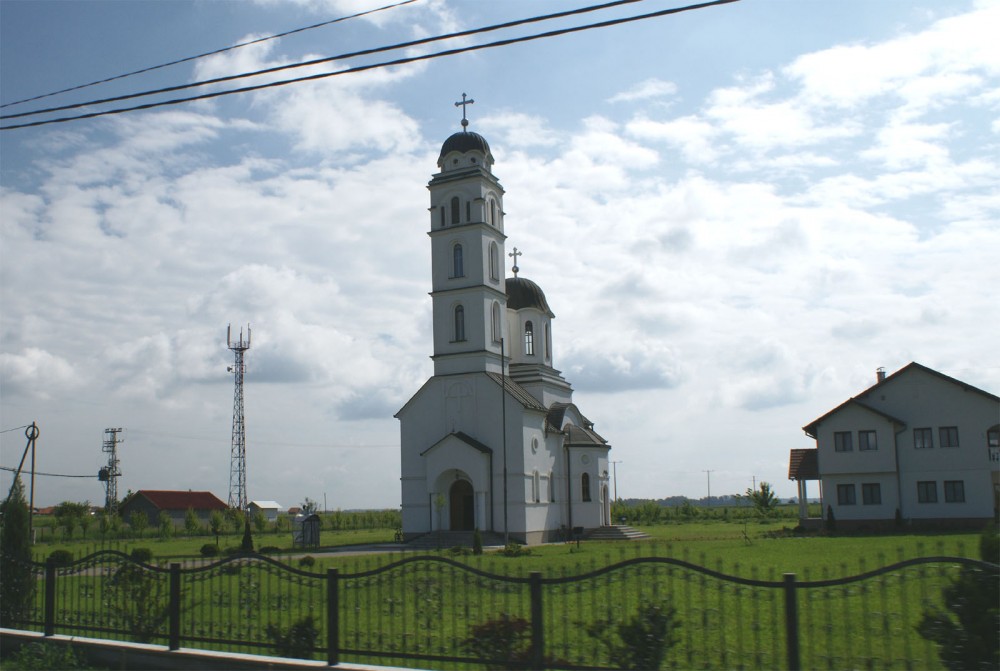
{"x": 462, "y": 506}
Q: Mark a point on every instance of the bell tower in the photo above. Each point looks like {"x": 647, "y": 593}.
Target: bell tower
{"x": 467, "y": 249}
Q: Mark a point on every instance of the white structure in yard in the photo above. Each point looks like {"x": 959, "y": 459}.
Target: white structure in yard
{"x": 917, "y": 446}
{"x": 493, "y": 440}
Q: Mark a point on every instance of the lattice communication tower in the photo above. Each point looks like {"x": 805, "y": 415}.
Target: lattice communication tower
{"x": 109, "y": 474}
{"x": 238, "y": 451}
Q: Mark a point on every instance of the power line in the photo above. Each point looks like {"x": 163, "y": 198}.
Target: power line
{"x": 206, "y": 54}
{"x": 361, "y": 68}
{"x": 51, "y": 475}
{"x": 327, "y": 59}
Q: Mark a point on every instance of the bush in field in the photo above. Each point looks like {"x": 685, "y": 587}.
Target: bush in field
{"x": 642, "y": 642}
{"x": 143, "y": 555}
{"x": 298, "y": 641}
{"x": 307, "y": 562}
{"x": 61, "y": 557}
{"x": 209, "y": 550}
{"x": 515, "y": 549}
{"x": 17, "y": 584}
{"x": 968, "y": 637}
{"x": 503, "y": 643}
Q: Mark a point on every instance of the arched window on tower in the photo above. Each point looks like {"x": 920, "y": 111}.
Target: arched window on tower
{"x": 456, "y": 211}
{"x": 548, "y": 342}
{"x": 441, "y": 210}
{"x": 529, "y": 339}
{"x": 468, "y": 211}
{"x": 494, "y": 262}
{"x": 536, "y": 487}
{"x": 493, "y": 212}
{"x": 496, "y": 322}
{"x": 552, "y": 487}
{"x": 458, "y": 268}
{"x": 585, "y": 486}
{"x": 459, "y": 323}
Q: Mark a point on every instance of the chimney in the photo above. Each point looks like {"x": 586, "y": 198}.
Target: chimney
{"x": 880, "y": 374}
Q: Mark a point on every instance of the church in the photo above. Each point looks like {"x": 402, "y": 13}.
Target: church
{"x": 492, "y": 441}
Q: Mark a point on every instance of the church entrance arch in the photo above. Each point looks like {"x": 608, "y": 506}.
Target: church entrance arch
{"x": 462, "y": 506}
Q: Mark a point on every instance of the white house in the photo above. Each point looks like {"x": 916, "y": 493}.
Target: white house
{"x": 269, "y": 509}
{"x": 918, "y": 445}
{"x": 493, "y": 440}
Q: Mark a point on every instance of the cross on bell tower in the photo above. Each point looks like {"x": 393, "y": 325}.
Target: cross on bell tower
{"x": 514, "y": 254}
{"x": 463, "y": 104}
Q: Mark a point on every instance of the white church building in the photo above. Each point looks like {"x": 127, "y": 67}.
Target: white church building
{"x": 493, "y": 441}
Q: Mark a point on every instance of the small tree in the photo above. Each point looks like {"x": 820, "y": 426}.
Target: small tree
{"x": 192, "y": 525}
{"x": 298, "y": 641}
{"x": 763, "y": 499}
{"x": 17, "y": 584}
{"x": 165, "y": 524}
{"x": 138, "y": 521}
{"x": 259, "y": 522}
{"x": 309, "y": 506}
{"x": 216, "y": 522}
{"x": 68, "y": 515}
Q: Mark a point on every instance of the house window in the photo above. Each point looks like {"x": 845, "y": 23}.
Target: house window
{"x": 458, "y": 267}
{"x": 455, "y": 211}
{"x": 496, "y": 322}
{"x": 927, "y": 491}
{"x": 536, "y": 487}
{"x": 459, "y": 323}
{"x": 871, "y": 493}
{"x": 923, "y": 439}
{"x": 529, "y": 339}
{"x": 552, "y": 487}
{"x": 585, "y": 486}
{"x": 993, "y": 436}
{"x": 867, "y": 440}
{"x": 948, "y": 435}
{"x": 954, "y": 491}
{"x": 494, "y": 262}
{"x": 846, "y": 495}
{"x": 842, "y": 441}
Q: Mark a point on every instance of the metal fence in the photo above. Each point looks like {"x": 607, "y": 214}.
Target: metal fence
{"x": 443, "y": 613}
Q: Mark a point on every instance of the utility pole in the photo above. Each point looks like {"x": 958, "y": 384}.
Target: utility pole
{"x": 109, "y": 474}
{"x": 709, "y": 474}
{"x": 614, "y": 471}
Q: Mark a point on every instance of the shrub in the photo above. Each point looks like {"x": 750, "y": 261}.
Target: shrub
{"x": 642, "y": 642}
{"x": 142, "y": 555}
{"x": 298, "y": 641}
{"x": 307, "y": 562}
{"x": 503, "y": 643}
{"x": 61, "y": 557}
{"x": 45, "y": 656}
{"x": 515, "y": 549}
{"x": 17, "y": 584}
{"x": 968, "y": 637}
{"x": 209, "y": 550}
{"x": 477, "y": 542}
{"x": 270, "y": 550}
{"x": 459, "y": 551}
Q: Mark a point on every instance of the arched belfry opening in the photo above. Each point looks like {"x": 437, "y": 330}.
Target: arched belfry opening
{"x": 462, "y": 506}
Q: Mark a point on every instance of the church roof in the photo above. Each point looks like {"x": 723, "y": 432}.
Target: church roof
{"x": 579, "y": 436}
{"x": 465, "y": 141}
{"x": 465, "y": 438}
{"x": 517, "y": 391}
{"x": 523, "y": 293}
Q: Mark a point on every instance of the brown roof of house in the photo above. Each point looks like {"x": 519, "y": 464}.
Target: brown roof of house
{"x": 803, "y": 464}
{"x": 173, "y": 500}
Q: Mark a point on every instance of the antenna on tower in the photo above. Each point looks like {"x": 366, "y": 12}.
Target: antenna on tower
{"x": 238, "y": 451}
{"x": 109, "y": 474}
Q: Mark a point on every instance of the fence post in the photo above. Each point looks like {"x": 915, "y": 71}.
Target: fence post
{"x": 50, "y": 597}
{"x": 175, "y": 606}
{"x": 332, "y": 616}
{"x": 537, "y": 625}
{"x": 791, "y": 624}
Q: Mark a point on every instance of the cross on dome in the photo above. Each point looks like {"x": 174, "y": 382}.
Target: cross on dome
{"x": 463, "y": 104}
{"x": 514, "y": 254}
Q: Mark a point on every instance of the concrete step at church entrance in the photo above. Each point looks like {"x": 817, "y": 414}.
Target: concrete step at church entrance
{"x": 618, "y": 532}
{"x": 442, "y": 540}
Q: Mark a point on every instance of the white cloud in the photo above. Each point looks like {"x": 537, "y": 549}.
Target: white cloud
{"x": 645, "y": 90}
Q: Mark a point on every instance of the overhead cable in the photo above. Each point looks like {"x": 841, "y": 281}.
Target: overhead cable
{"x": 206, "y": 54}
{"x": 326, "y": 59}
{"x": 362, "y": 68}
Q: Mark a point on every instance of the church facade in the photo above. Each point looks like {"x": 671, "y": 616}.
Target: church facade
{"x": 492, "y": 441}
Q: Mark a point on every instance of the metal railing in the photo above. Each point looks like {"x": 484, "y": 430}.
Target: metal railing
{"x": 443, "y": 612}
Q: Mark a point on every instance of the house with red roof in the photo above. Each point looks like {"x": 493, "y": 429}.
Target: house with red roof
{"x": 175, "y": 503}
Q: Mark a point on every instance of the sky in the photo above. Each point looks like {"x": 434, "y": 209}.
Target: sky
{"x": 737, "y": 213}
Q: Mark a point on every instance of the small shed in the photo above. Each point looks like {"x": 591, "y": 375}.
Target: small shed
{"x": 305, "y": 531}
{"x": 269, "y": 509}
